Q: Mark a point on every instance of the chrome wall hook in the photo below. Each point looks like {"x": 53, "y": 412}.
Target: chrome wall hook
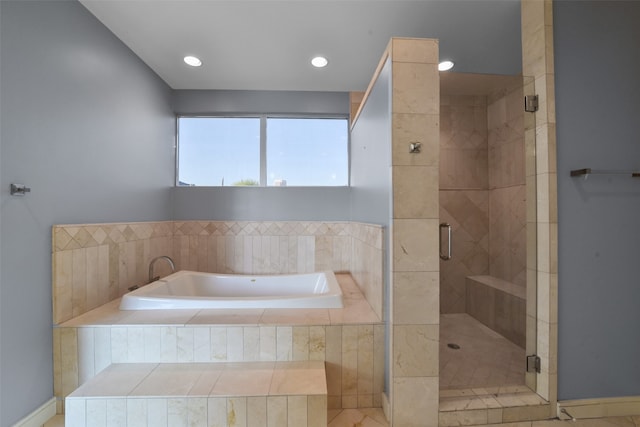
{"x": 19, "y": 189}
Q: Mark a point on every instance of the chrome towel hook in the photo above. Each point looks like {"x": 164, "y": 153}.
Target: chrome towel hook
{"x": 19, "y": 189}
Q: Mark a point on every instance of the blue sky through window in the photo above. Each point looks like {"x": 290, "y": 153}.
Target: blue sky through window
{"x": 216, "y": 151}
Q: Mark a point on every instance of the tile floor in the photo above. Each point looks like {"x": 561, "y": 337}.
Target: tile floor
{"x": 484, "y": 359}
{"x": 375, "y": 418}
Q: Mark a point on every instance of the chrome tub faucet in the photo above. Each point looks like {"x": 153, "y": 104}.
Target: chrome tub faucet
{"x": 153, "y": 278}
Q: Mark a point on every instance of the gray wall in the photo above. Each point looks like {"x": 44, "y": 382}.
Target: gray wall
{"x": 371, "y": 155}
{"x": 90, "y": 129}
{"x": 260, "y": 204}
{"x": 597, "y": 59}
{"x": 371, "y": 184}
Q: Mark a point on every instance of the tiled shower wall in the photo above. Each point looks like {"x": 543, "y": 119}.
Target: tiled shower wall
{"x": 96, "y": 263}
{"x": 482, "y": 191}
{"x": 507, "y": 191}
{"x": 464, "y": 195}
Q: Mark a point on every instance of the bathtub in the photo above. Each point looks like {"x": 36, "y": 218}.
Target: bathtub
{"x": 195, "y": 290}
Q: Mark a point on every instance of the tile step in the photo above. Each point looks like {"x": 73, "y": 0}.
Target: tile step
{"x": 194, "y": 394}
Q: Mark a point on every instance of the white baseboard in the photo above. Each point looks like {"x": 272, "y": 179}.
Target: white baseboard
{"x": 40, "y": 416}
{"x": 597, "y": 408}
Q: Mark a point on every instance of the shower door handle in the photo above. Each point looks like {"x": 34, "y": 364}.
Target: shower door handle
{"x": 445, "y": 256}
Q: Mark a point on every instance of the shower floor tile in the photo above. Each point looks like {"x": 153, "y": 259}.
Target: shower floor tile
{"x": 484, "y": 359}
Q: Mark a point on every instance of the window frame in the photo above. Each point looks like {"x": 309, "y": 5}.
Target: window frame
{"x": 263, "y": 145}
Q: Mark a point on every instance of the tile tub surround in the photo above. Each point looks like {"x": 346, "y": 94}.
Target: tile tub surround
{"x": 95, "y": 263}
{"x": 350, "y": 341}
{"x": 252, "y": 394}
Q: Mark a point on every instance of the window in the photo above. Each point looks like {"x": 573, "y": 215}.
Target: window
{"x": 263, "y": 151}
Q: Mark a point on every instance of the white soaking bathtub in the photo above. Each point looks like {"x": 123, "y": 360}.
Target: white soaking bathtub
{"x": 190, "y": 289}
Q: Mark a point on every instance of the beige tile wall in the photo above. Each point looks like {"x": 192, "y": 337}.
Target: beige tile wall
{"x": 507, "y": 191}
{"x": 96, "y": 263}
{"x": 415, "y": 320}
{"x": 463, "y": 143}
{"x": 538, "y": 63}
{"x": 271, "y": 411}
{"x": 464, "y": 198}
{"x": 354, "y": 354}
{"x": 482, "y": 190}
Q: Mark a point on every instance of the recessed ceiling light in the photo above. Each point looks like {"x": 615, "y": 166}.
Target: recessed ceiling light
{"x": 193, "y": 61}
{"x": 445, "y": 65}
{"x": 319, "y": 62}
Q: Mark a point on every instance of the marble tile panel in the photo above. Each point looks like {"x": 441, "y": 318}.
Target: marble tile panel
{"x": 284, "y": 343}
{"x": 116, "y": 412}
{"x": 235, "y": 344}
{"x": 257, "y": 411}
{"x": 415, "y": 350}
{"x": 206, "y": 381}
{"x": 296, "y": 411}
{"x": 217, "y": 412}
{"x": 76, "y": 411}
{"x": 237, "y": 382}
{"x": 218, "y": 343}
{"x": 68, "y": 360}
{"x": 177, "y": 412}
{"x": 86, "y": 346}
{"x": 365, "y": 370}
{"x": 116, "y": 380}
{"x": 349, "y": 360}
{"x": 227, "y": 317}
{"x": 415, "y": 298}
{"x": 294, "y": 316}
{"x": 416, "y": 401}
{"x": 355, "y": 311}
{"x": 267, "y": 343}
{"x": 416, "y": 88}
{"x": 96, "y": 412}
{"x": 136, "y": 412}
{"x": 317, "y": 411}
{"x": 414, "y": 50}
{"x": 317, "y": 343}
{"x": 201, "y": 344}
{"x": 359, "y": 417}
{"x": 276, "y": 411}
{"x": 251, "y": 343}
{"x": 300, "y": 343}
{"x": 197, "y": 411}
{"x": 185, "y": 344}
{"x": 411, "y": 248}
{"x": 63, "y": 291}
{"x": 306, "y": 378}
{"x": 413, "y": 189}
{"x": 78, "y": 282}
{"x": 156, "y": 317}
{"x": 167, "y": 380}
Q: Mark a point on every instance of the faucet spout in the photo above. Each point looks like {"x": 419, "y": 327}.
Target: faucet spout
{"x": 153, "y": 278}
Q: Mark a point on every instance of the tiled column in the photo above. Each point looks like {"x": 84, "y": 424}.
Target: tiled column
{"x": 537, "y": 62}
{"x": 415, "y": 262}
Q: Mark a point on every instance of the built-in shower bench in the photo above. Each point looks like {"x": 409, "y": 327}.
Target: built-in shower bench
{"x": 498, "y": 304}
{"x": 202, "y": 394}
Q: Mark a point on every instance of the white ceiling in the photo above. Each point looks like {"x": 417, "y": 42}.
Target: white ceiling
{"x": 267, "y": 45}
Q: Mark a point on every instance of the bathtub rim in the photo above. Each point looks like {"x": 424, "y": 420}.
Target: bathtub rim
{"x": 139, "y": 299}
